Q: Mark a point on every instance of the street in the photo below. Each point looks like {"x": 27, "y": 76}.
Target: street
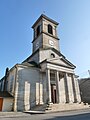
{"x": 71, "y": 115}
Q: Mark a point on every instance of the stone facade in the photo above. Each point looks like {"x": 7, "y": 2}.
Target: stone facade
{"x": 85, "y": 89}
{"x": 44, "y": 77}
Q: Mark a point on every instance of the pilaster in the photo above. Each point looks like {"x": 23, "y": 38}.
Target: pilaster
{"x": 76, "y": 84}
{"x": 66, "y": 89}
{"x": 74, "y": 89}
{"x": 49, "y": 85}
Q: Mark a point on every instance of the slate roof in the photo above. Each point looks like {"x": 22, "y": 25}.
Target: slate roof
{"x": 31, "y": 64}
{"x": 53, "y": 49}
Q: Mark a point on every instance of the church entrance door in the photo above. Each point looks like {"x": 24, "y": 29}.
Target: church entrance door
{"x": 53, "y": 93}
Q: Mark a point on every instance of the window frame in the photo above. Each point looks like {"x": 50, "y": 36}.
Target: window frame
{"x": 52, "y": 55}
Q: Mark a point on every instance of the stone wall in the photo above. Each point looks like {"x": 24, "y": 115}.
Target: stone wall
{"x": 7, "y": 104}
{"x": 85, "y": 89}
{"x": 11, "y": 81}
{"x": 28, "y": 89}
{"x": 62, "y": 90}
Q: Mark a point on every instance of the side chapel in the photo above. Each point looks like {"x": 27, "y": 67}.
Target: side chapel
{"x": 44, "y": 77}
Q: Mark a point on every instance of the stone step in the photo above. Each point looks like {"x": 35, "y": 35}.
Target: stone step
{"x": 69, "y": 106}
{"x": 60, "y": 107}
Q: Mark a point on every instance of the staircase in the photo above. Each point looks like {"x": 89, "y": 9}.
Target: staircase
{"x": 67, "y": 107}
{"x": 60, "y": 107}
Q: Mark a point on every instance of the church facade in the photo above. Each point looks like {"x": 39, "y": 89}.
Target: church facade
{"x": 44, "y": 77}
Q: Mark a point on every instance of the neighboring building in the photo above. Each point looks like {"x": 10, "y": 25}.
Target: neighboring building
{"x": 6, "y": 101}
{"x": 44, "y": 77}
{"x": 85, "y": 89}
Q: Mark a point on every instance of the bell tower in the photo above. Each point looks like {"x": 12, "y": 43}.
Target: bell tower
{"x": 45, "y": 34}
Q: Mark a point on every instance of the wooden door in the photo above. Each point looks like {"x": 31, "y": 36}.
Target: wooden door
{"x": 1, "y": 103}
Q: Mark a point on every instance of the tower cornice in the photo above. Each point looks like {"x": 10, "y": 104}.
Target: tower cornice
{"x": 47, "y": 18}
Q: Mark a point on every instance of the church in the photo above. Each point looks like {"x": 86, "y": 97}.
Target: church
{"x": 46, "y": 76}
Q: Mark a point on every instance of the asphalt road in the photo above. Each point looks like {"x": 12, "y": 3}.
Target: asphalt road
{"x": 73, "y": 115}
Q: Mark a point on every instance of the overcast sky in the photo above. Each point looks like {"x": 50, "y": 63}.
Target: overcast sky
{"x": 17, "y": 17}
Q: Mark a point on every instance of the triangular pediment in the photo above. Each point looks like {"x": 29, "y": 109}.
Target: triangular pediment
{"x": 61, "y": 61}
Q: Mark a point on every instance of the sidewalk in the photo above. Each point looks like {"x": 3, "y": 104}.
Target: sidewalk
{"x": 29, "y": 113}
{"x": 13, "y": 114}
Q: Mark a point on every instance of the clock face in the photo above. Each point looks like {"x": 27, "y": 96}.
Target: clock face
{"x": 51, "y": 42}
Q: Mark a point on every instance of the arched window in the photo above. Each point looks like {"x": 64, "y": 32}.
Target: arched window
{"x": 50, "y": 29}
{"x": 52, "y": 55}
{"x": 38, "y": 30}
